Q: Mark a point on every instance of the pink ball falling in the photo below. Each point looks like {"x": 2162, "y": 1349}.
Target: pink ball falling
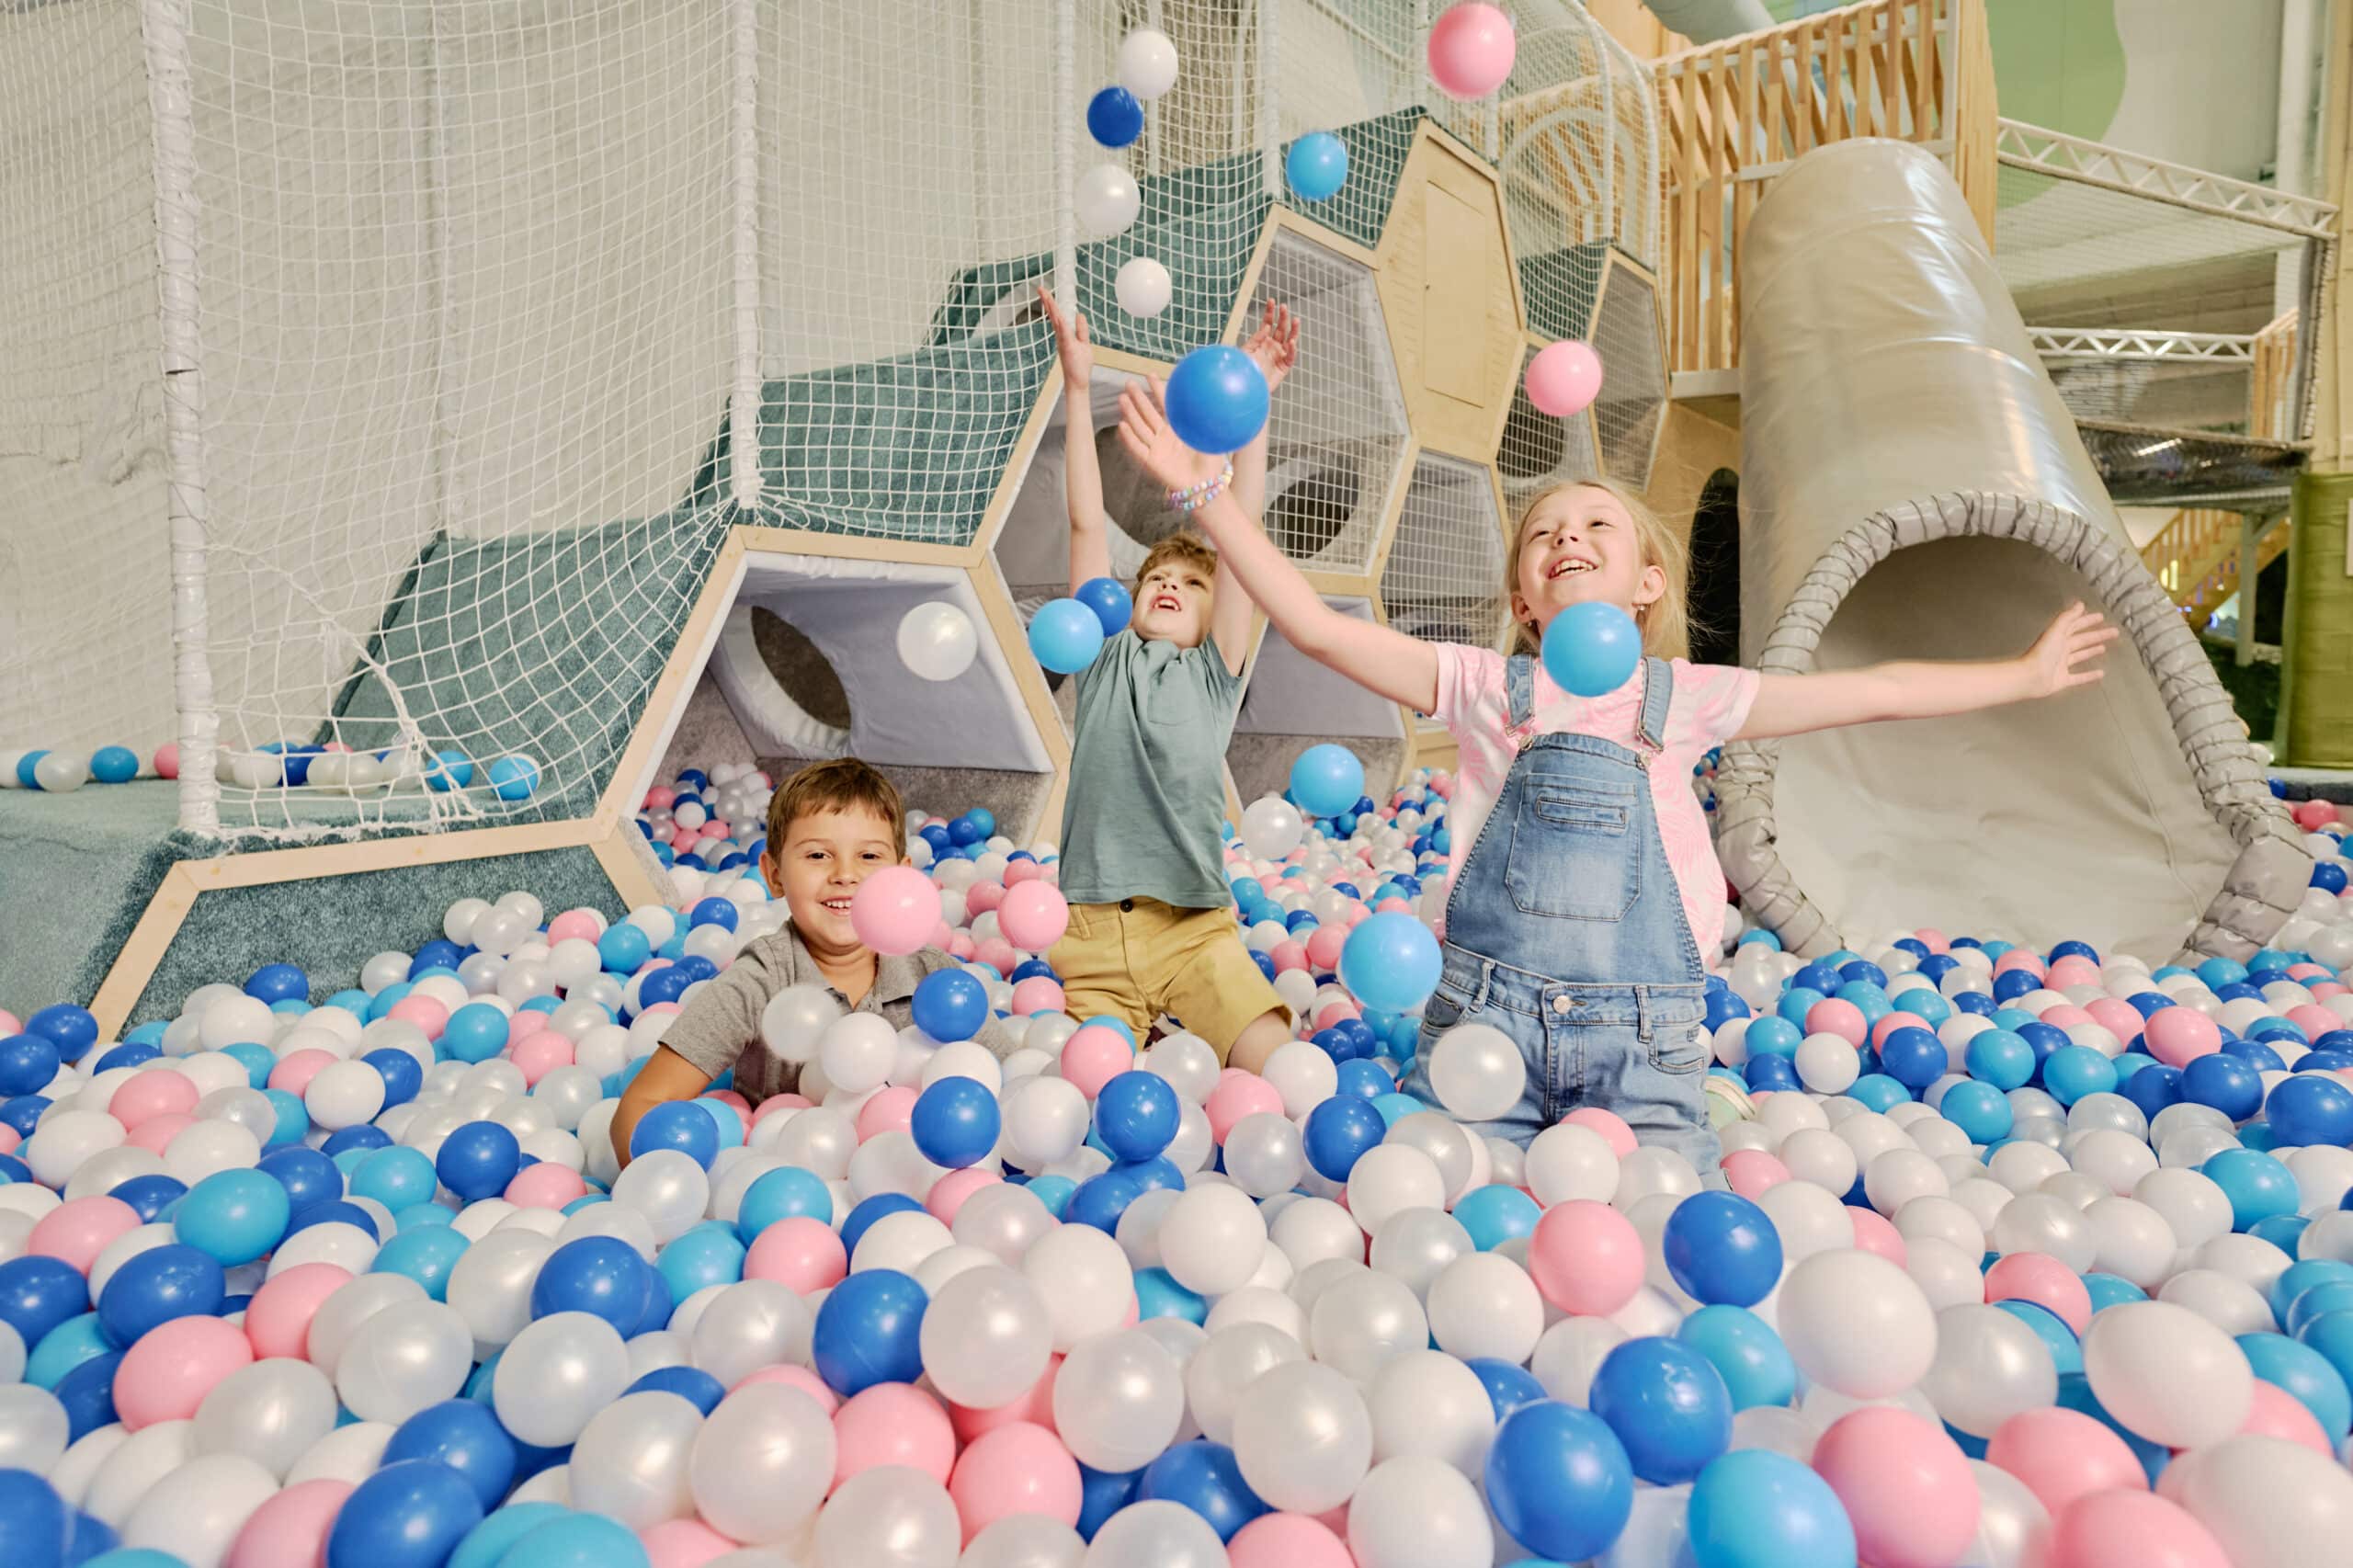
{"x": 1563, "y": 378}
{"x": 895, "y": 910}
{"x": 1470, "y": 49}
{"x": 1033, "y": 914}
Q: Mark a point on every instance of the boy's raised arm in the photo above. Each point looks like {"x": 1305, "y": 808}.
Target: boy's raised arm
{"x": 1090, "y": 551}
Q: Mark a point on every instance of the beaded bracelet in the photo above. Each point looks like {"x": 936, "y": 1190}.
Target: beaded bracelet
{"x": 1193, "y": 497}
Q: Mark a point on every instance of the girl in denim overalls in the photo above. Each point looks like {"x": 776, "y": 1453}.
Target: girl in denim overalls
{"x": 1586, "y": 900}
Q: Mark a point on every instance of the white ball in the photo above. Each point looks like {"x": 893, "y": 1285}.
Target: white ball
{"x": 1856, "y": 1322}
{"x": 1147, "y": 62}
{"x": 1143, "y": 290}
{"x": 1477, "y": 1072}
{"x": 2167, "y": 1374}
{"x": 1108, "y": 201}
{"x": 1212, "y": 1239}
{"x": 936, "y": 641}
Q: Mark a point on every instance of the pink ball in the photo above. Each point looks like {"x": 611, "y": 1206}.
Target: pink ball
{"x": 1017, "y": 1469}
{"x": 793, "y": 1377}
{"x": 2062, "y": 1455}
{"x": 1354, "y": 915}
{"x": 2116, "y": 1016}
{"x": 10, "y": 1138}
{"x": 1036, "y": 1407}
{"x": 1585, "y": 1258}
{"x": 1936, "y": 941}
{"x": 1289, "y": 956}
{"x": 2045, "y": 1281}
{"x": 1751, "y": 1171}
{"x": 77, "y": 1230}
{"x": 982, "y": 897}
{"x": 886, "y": 1110}
{"x": 1324, "y": 945}
{"x": 684, "y": 1543}
{"x": 715, "y": 828}
{"x": 2018, "y": 959}
{"x": 167, "y": 1373}
{"x": 2313, "y": 815}
{"x": 1891, "y": 1022}
{"x": 660, "y": 798}
{"x": 289, "y": 1531}
{"x": 540, "y": 1052}
{"x": 1563, "y": 378}
{"x": 167, "y": 760}
{"x": 2178, "y": 1036}
{"x": 422, "y": 1011}
{"x": 154, "y": 1091}
{"x": 9, "y": 1023}
{"x": 1332, "y": 1012}
{"x": 2064, "y": 1016}
{"x": 893, "y": 1424}
{"x": 998, "y": 954}
{"x": 579, "y": 923}
{"x": 1832, "y": 1016}
{"x": 2073, "y": 970}
{"x": 526, "y": 1025}
{"x": 2313, "y": 1018}
{"x": 2129, "y": 1529}
{"x": 776, "y": 1105}
{"x": 894, "y": 909}
{"x": 962, "y": 949}
{"x": 156, "y": 1130}
{"x": 1287, "y": 1541}
{"x": 684, "y": 839}
{"x": 1470, "y": 49}
{"x": 1034, "y": 915}
{"x": 1907, "y": 1487}
{"x": 1036, "y": 995}
{"x": 730, "y": 1099}
{"x": 1093, "y": 1056}
{"x": 1609, "y": 1124}
{"x": 297, "y": 1068}
{"x": 1019, "y": 871}
{"x": 1236, "y": 1096}
{"x": 545, "y": 1186}
{"x": 1393, "y": 905}
{"x": 948, "y": 1194}
{"x": 799, "y": 1251}
{"x": 1874, "y": 1233}
{"x": 2276, "y": 1412}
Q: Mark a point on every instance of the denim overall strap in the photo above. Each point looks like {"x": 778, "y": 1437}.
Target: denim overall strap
{"x": 1519, "y": 698}
{"x": 1658, "y": 695}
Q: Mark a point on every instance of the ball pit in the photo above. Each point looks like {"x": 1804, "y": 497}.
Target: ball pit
{"x": 2026, "y": 1257}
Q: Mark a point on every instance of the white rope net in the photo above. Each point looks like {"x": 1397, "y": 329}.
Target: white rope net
{"x": 483, "y": 321}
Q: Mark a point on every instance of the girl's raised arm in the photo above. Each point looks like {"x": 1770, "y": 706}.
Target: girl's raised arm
{"x": 2064, "y": 656}
{"x": 1399, "y": 667}
{"x": 1090, "y": 547}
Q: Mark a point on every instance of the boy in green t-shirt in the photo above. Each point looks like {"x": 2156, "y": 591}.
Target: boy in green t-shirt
{"x": 1152, "y": 926}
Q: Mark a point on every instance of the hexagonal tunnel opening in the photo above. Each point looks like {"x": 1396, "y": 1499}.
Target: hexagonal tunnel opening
{"x": 1293, "y": 703}
{"x": 1631, "y": 407}
{"x": 803, "y": 665}
{"x": 1443, "y": 579}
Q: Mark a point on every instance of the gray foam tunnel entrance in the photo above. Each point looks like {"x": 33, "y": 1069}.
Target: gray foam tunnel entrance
{"x": 1914, "y": 489}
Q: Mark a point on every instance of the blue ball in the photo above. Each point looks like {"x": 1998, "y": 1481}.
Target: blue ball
{"x": 2073, "y": 1072}
{"x": 1878, "y": 1092}
{"x": 1111, "y": 605}
{"x": 425, "y": 1254}
{"x": 26, "y": 776}
{"x": 333, "y": 1212}
{"x": 235, "y": 1216}
{"x": 1203, "y": 1476}
{"x": 623, "y": 948}
{"x": 862, "y": 1217}
{"x": 149, "y": 1195}
{"x": 308, "y": 1175}
{"x": 1978, "y": 1109}
{"x": 2308, "y": 1108}
{"x": 2257, "y": 1185}
{"x": 676, "y": 1124}
{"x": 1114, "y": 118}
{"x": 87, "y": 1394}
{"x": 1494, "y": 1214}
{"x": 956, "y": 1121}
{"x": 1591, "y": 649}
{"x": 2305, "y": 1373}
{"x": 1756, "y": 1508}
{"x": 869, "y": 1331}
{"x": 28, "y": 1064}
{"x": 706, "y": 1254}
{"x": 1159, "y": 1296}
{"x": 1772, "y": 1035}
{"x": 950, "y": 1005}
{"x": 395, "y": 1177}
{"x": 514, "y": 777}
{"x": 1913, "y": 1057}
{"x": 780, "y": 1195}
{"x": 412, "y": 1514}
{"x": 576, "y": 1541}
{"x": 1217, "y": 399}
{"x": 1756, "y": 1366}
{"x": 2221, "y": 1080}
{"x": 1101, "y": 1198}
{"x": 1509, "y": 1384}
{"x": 1317, "y": 165}
{"x": 402, "y": 1078}
{"x": 464, "y": 1436}
{"x": 2066, "y": 1350}
{"x": 114, "y": 765}
{"x": 1339, "y": 1130}
{"x": 602, "y": 1276}
{"x": 1668, "y": 1405}
{"x": 450, "y": 770}
{"x": 1560, "y": 1480}
{"x": 2153, "y": 1089}
{"x": 65, "y": 1347}
{"x": 1325, "y": 779}
{"x": 1065, "y": 636}
{"x": 714, "y": 910}
{"x": 2108, "y": 1290}
{"x": 278, "y": 983}
{"x": 478, "y": 1160}
{"x": 1720, "y": 1247}
{"x": 1136, "y": 1115}
{"x": 1391, "y": 961}
{"x": 156, "y": 1285}
{"x": 698, "y": 1388}
{"x": 35, "y": 1524}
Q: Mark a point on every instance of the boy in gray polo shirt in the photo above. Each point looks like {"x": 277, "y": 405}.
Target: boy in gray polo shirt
{"x": 1152, "y": 923}
{"x": 830, "y": 826}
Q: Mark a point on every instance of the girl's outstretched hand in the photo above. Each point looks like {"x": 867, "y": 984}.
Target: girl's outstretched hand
{"x": 1071, "y": 341}
{"x": 2067, "y": 653}
{"x": 1275, "y": 344}
{"x": 1144, "y": 431}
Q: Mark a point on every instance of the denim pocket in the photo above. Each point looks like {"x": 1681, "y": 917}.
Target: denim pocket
{"x": 1572, "y": 853}
{"x": 1678, "y": 1050}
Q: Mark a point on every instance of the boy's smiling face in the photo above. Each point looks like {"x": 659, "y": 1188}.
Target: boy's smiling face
{"x": 1173, "y": 604}
{"x": 826, "y": 854}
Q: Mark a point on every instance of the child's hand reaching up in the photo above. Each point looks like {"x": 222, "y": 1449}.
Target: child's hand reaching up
{"x": 1275, "y": 344}
{"x": 1144, "y": 431}
{"x": 1070, "y": 343}
{"x": 2067, "y": 653}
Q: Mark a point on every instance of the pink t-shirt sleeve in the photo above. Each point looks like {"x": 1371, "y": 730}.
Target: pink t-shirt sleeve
{"x": 1718, "y": 699}
{"x": 1468, "y": 679}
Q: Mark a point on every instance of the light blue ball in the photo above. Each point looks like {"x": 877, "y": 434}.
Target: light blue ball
{"x": 1217, "y": 399}
{"x": 1391, "y": 961}
{"x": 1591, "y": 649}
{"x": 233, "y": 1216}
{"x": 114, "y": 765}
{"x": 514, "y": 777}
{"x": 450, "y": 770}
{"x": 1327, "y": 780}
{"x": 1065, "y": 635}
{"x": 1317, "y": 166}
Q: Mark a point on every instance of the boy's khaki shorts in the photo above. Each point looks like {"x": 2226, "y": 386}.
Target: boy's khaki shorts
{"x": 1139, "y": 958}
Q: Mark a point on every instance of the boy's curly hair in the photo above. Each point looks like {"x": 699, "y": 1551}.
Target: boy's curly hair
{"x": 1190, "y": 548}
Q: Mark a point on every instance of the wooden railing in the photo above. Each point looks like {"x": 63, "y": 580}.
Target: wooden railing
{"x": 1733, "y": 115}
{"x": 2196, "y": 557}
{"x": 2267, "y": 412}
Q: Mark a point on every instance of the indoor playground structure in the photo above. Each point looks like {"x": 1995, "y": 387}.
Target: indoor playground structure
{"x": 458, "y": 459}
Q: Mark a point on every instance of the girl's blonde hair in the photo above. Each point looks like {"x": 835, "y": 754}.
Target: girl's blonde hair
{"x": 1666, "y": 621}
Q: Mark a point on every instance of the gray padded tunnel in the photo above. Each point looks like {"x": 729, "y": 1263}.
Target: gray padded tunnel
{"x": 1913, "y": 488}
